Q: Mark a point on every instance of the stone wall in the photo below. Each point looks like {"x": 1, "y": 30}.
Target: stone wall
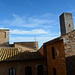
{"x": 69, "y": 44}
{"x": 4, "y": 37}
{"x": 66, "y": 23}
{"x": 70, "y": 65}
{"x": 7, "y": 38}
{"x": 27, "y": 46}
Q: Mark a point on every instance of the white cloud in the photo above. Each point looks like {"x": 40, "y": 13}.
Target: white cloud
{"x": 40, "y": 40}
{"x": 32, "y": 22}
{"x": 3, "y": 28}
{"x": 35, "y": 31}
{"x": 31, "y": 25}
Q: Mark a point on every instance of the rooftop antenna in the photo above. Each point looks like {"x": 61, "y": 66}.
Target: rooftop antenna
{"x": 35, "y": 38}
{"x": 35, "y": 42}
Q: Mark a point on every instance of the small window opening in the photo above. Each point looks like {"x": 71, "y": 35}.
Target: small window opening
{"x": 34, "y": 47}
{"x": 54, "y": 71}
{"x": 40, "y": 70}
{"x": 53, "y": 52}
{"x": 5, "y": 34}
{"x": 28, "y": 70}
{"x": 69, "y": 25}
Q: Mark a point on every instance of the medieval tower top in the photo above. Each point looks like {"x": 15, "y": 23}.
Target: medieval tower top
{"x": 66, "y": 23}
{"x": 4, "y": 37}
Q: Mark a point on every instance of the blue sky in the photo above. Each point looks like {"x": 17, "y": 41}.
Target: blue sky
{"x": 28, "y": 19}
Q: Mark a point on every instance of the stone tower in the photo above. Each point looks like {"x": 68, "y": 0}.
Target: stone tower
{"x": 66, "y": 23}
{"x": 4, "y": 37}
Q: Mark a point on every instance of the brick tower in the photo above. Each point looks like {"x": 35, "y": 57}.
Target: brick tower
{"x": 66, "y": 23}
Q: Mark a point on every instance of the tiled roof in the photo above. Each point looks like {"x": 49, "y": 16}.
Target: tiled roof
{"x": 27, "y": 56}
{"x": 9, "y": 54}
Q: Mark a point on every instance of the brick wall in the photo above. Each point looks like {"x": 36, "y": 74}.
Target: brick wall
{"x": 41, "y": 50}
{"x": 59, "y": 62}
{"x": 20, "y": 67}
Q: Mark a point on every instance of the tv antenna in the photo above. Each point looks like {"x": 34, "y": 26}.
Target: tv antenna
{"x": 35, "y": 38}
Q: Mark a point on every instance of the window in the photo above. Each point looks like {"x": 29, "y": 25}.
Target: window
{"x": 53, "y": 52}
{"x": 40, "y": 70}
{"x": 69, "y": 25}
{"x": 54, "y": 71}
{"x": 12, "y": 71}
{"x": 5, "y": 34}
{"x": 28, "y": 70}
{"x": 34, "y": 47}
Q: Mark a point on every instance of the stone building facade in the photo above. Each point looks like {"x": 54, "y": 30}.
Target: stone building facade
{"x": 55, "y": 57}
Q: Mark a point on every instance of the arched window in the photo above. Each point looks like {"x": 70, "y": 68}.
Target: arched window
{"x": 53, "y": 52}
{"x": 28, "y": 70}
{"x": 12, "y": 71}
{"x": 40, "y": 70}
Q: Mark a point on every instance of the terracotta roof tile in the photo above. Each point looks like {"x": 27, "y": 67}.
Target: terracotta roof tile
{"x": 7, "y": 54}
